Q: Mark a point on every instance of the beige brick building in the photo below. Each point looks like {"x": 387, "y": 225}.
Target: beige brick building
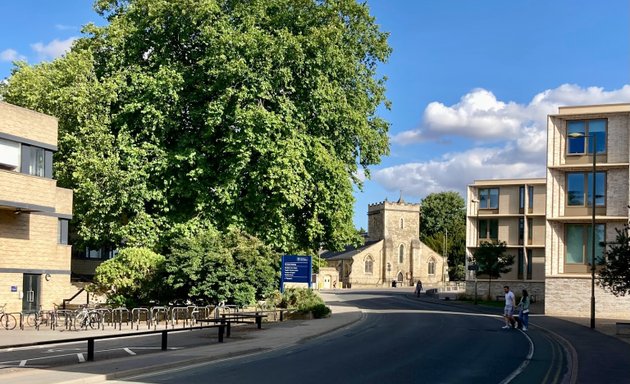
{"x": 392, "y": 252}
{"x": 34, "y": 214}
{"x": 574, "y": 136}
{"x": 511, "y": 211}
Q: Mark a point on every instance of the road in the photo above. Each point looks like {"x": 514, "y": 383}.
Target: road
{"x": 399, "y": 340}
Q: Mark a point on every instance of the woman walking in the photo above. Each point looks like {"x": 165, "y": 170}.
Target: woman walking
{"x": 523, "y": 309}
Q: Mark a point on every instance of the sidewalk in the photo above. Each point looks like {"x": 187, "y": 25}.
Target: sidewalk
{"x": 274, "y": 335}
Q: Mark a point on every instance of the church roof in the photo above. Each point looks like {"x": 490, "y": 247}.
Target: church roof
{"x": 348, "y": 253}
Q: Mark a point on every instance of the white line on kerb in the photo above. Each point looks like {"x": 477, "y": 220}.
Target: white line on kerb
{"x": 129, "y": 351}
{"x": 81, "y": 358}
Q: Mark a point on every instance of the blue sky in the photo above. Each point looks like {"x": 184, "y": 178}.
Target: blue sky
{"x": 471, "y": 82}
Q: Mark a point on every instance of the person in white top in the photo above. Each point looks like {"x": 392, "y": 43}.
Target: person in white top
{"x": 508, "y": 311}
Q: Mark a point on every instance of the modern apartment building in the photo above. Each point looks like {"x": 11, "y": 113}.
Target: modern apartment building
{"x": 34, "y": 213}
{"x": 510, "y": 211}
{"x": 578, "y": 138}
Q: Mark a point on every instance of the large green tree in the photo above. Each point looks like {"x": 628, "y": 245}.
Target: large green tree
{"x": 253, "y": 113}
{"x": 443, "y": 228}
{"x": 615, "y": 274}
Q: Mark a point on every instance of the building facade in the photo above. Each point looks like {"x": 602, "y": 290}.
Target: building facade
{"x": 392, "y": 253}
{"x": 34, "y": 214}
{"x": 578, "y": 138}
{"x": 510, "y": 211}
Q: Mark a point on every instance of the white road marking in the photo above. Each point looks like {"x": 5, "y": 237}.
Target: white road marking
{"x": 23, "y": 363}
{"x": 129, "y": 351}
{"x": 81, "y": 358}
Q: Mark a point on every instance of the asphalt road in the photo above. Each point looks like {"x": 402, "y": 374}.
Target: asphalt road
{"x": 400, "y": 340}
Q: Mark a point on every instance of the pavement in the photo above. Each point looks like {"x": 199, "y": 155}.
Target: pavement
{"x": 590, "y": 351}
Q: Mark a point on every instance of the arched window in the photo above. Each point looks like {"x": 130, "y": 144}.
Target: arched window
{"x": 369, "y": 263}
{"x": 399, "y": 277}
{"x": 401, "y": 253}
{"x": 389, "y": 267}
{"x": 432, "y": 267}
{"x": 402, "y": 223}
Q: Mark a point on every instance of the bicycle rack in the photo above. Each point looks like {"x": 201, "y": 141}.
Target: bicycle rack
{"x": 103, "y": 314}
{"x": 136, "y": 313}
{"x": 120, "y": 311}
{"x": 175, "y": 315}
{"x": 155, "y": 315}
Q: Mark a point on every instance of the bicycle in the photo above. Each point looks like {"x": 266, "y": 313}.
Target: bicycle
{"x": 87, "y": 318}
{"x": 35, "y": 319}
{"x": 7, "y": 320}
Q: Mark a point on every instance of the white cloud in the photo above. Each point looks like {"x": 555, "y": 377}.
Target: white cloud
{"x": 480, "y": 115}
{"x": 63, "y": 27}
{"x": 53, "y": 49}
{"x": 11, "y": 55}
{"x": 509, "y": 139}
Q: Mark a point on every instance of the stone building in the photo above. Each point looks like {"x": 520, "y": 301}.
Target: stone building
{"x": 576, "y": 138}
{"x": 392, "y": 252}
{"x": 34, "y": 214}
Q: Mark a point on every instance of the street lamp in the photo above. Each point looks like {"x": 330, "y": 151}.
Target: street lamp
{"x": 594, "y": 137}
{"x": 476, "y": 202}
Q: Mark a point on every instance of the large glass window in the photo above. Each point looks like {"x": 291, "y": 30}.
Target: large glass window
{"x": 63, "y": 231}
{"x": 530, "y": 263}
{"x": 583, "y": 135}
{"x": 521, "y": 230}
{"x": 530, "y": 198}
{"x": 578, "y": 243}
{"x": 580, "y": 189}
{"x": 521, "y": 199}
{"x": 520, "y": 263}
{"x": 489, "y": 198}
{"x": 489, "y": 229}
{"x": 9, "y": 155}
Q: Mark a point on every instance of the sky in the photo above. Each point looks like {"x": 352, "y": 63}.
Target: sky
{"x": 470, "y": 82}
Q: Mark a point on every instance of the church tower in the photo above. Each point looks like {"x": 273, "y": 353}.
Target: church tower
{"x": 398, "y": 225}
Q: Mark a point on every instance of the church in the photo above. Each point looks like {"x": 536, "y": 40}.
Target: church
{"x": 392, "y": 254}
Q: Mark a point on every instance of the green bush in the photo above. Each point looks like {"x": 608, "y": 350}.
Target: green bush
{"x": 304, "y": 300}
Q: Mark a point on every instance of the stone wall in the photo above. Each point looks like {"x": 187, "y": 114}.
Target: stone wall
{"x": 571, "y": 296}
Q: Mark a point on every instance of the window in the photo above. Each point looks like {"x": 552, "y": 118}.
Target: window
{"x": 401, "y": 253}
{"x": 520, "y": 263}
{"x": 9, "y": 155}
{"x": 593, "y": 133}
{"x": 580, "y": 189}
{"x": 521, "y": 230}
{"x": 431, "y": 267}
{"x": 578, "y": 243}
{"x": 389, "y": 267}
{"x": 489, "y": 198}
{"x": 521, "y": 199}
{"x": 36, "y": 161}
{"x": 369, "y": 263}
{"x": 402, "y": 224}
{"x": 530, "y": 230}
{"x": 530, "y": 198}
{"x": 489, "y": 229}
{"x": 63, "y": 231}
{"x": 530, "y": 260}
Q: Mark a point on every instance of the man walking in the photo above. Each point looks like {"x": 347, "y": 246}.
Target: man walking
{"x": 508, "y": 311}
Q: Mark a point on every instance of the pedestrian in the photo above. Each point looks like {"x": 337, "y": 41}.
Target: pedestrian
{"x": 508, "y": 311}
{"x": 418, "y": 288}
{"x": 335, "y": 284}
{"x": 523, "y": 309}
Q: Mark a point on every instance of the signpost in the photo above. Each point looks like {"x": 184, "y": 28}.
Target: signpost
{"x": 296, "y": 269}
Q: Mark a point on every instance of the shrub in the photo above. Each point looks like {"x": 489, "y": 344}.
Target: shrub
{"x": 304, "y": 300}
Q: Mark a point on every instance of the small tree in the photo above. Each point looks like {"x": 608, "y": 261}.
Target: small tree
{"x": 131, "y": 278}
{"x": 492, "y": 260}
{"x": 615, "y": 275}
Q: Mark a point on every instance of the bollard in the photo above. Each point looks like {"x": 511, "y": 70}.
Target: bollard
{"x": 90, "y": 356}
{"x": 164, "y": 340}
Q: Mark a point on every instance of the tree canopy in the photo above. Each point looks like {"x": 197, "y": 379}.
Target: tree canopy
{"x": 615, "y": 274}
{"x": 442, "y": 213}
{"x": 257, "y": 114}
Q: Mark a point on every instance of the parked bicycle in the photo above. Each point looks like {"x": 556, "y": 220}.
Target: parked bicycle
{"x": 7, "y": 320}
{"x": 35, "y": 319}
{"x": 88, "y": 318}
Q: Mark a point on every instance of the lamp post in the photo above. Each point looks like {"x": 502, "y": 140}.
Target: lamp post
{"x": 594, "y": 189}
{"x": 476, "y": 202}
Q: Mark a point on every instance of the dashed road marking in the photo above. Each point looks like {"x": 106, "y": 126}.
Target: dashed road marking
{"x": 129, "y": 351}
{"x": 23, "y": 363}
{"x": 81, "y": 358}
